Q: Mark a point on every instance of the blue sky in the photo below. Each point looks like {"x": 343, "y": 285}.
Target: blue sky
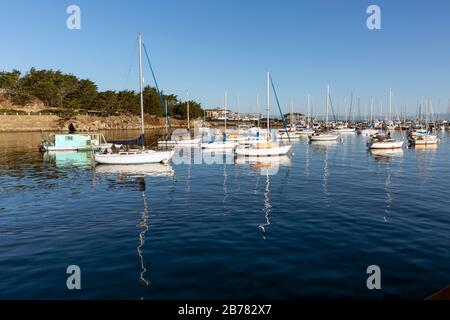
{"x": 209, "y": 46}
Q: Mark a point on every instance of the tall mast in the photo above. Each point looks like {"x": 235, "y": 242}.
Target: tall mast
{"x": 307, "y": 111}
{"x": 371, "y": 111}
{"x": 328, "y": 101}
{"x": 292, "y": 112}
{"x": 225, "y": 111}
{"x": 257, "y": 108}
{"x": 268, "y": 104}
{"x": 239, "y": 111}
{"x": 390, "y": 104}
{"x": 188, "y": 120}
{"x": 141, "y": 83}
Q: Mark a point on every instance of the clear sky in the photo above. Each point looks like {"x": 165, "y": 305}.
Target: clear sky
{"x": 209, "y": 46}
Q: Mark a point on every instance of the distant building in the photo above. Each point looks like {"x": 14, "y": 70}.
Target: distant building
{"x": 215, "y": 113}
{"x": 297, "y": 117}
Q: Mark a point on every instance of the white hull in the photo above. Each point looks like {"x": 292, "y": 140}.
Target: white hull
{"x": 263, "y": 152}
{"x": 185, "y": 142}
{"x": 53, "y": 148}
{"x": 369, "y": 132}
{"x": 425, "y": 140}
{"x": 305, "y": 132}
{"x": 344, "y": 130}
{"x": 252, "y": 141}
{"x": 292, "y": 135}
{"x": 324, "y": 137}
{"x": 138, "y": 157}
{"x": 386, "y": 145}
{"x": 220, "y": 145}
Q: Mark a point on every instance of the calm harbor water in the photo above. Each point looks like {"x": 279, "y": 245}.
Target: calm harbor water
{"x": 307, "y": 227}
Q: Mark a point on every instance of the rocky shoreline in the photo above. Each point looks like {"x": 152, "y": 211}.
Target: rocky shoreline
{"x": 49, "y": 123}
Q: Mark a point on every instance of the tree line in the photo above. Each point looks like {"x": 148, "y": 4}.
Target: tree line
{"x": 70, "y": 93}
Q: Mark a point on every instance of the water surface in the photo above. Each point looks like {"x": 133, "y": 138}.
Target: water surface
{"x": 306, "y": 227}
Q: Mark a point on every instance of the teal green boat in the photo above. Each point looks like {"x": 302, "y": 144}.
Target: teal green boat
{"x": 74, "y": 142}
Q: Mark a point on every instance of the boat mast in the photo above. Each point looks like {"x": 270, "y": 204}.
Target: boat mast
{"x": 371, "y": 111}
{"x": 257, "y": 109}
{"x": 292, "y": 113}
{"x": 390, "y": 105}
{"x": 328, "y": 101}
{"x": 268, "y": 105}
{"x": 188, "y": 120}
{"x": 225, "y": 112}
{"x": 307, "y": 111}
{"x": 141, "y": 84}
{"x": 239, "y": 112}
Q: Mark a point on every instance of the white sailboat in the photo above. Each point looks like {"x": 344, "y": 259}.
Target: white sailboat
{"x": 135, "y": 156}
{"x": 225, "y": 143}
{"x": 267, "y": 148}
{"x": 370, "y": 130}
{"x": 424, "y": 137}
{"x": 325, "y": 136}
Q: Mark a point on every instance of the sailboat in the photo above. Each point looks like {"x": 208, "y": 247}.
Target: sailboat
{"x": 135, "y": 156}
{"x": 424, "y": 137}
{"x": 325, "y": 136}
{"x": 267, "y": 148}
{"x": 182, "y": 140}
{"x": 370, "y": 130}
{"x": 306, "y": 130}
{"x": 225, "y": 143}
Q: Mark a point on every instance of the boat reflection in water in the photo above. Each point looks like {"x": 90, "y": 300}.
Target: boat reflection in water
{"x": 267, "y": 206}
{"x": 429, "y": 147}
{"x": 149, "y": 169}
{"x": 325, "y": 146}
{"x": 386, "y": 154}
{"x": 138, "y": 173}
{"x": 69, "y": 158}
{"x": 266, "y": 165}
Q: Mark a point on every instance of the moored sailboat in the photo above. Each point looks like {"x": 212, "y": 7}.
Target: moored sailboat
{"x": 267, "y": 148}
{"x": 135, "y": 156}
{"x": 325, "y": 135}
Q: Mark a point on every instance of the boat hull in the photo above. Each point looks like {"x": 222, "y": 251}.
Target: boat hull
{"x": 187, "y": 142}
{"x": 386, "y": 145}
{"x": 325, "y": 137}
{"x": 124, "y": 158}
{"x": 263, "y": 152}
{"x": 219, "y": 145}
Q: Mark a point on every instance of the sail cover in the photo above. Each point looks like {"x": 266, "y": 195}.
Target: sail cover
{"x": 138, "y": 141}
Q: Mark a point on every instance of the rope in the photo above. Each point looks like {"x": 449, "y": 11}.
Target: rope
{"x": 157, "y": 88}
{"x": 279, "y": 108}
